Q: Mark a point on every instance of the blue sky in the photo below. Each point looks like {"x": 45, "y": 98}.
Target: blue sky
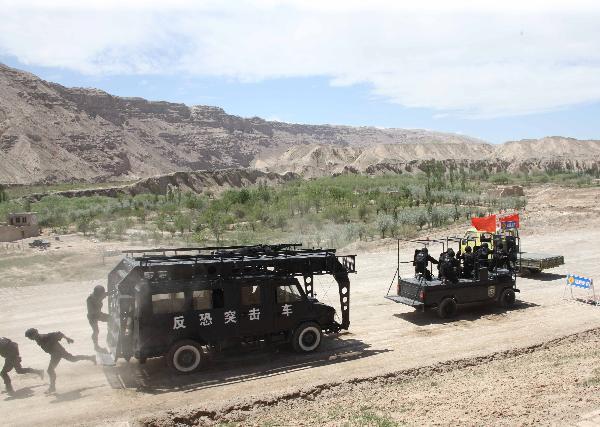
{"x": 499, "y": 74}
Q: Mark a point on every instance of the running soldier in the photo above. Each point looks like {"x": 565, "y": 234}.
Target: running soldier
{"x": 50, "y": 343}
{"x": 95, "y": 314}
{"x": 12, "y": 360}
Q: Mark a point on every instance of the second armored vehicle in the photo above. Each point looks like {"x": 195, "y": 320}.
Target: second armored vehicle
{"x": 484, "y": 283}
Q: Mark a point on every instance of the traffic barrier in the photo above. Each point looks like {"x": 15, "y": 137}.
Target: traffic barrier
{"x": 581, "y": 289}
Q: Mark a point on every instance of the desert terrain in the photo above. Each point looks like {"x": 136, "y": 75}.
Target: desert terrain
{"x": 534, "y": 364}
{"x": 52, "y": 134}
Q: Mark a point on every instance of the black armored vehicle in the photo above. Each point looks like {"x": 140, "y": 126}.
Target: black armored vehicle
{"x": 481, "y": 276}
{"x": 178, "y": 302}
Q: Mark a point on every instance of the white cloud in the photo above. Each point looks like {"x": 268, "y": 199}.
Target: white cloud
{"x": 474, "y": 59}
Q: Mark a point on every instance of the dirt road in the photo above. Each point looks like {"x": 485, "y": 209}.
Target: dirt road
{"x": 384, "y": 337}
{"x": 555, "y": 383}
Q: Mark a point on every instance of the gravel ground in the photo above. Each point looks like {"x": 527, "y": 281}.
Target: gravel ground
{"x": 557, "y": 382}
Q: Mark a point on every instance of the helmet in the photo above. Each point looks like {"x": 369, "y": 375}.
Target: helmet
{"x": 99, "y": 291}
{"x": 31, "y": 332}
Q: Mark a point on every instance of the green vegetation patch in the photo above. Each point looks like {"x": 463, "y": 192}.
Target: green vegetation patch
{"x": 329, "y": 211}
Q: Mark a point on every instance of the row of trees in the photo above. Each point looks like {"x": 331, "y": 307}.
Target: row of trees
{"x": 353, "y": 206}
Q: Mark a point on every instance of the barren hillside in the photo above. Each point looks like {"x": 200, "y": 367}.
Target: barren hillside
{"x": 318, "y": 159}
{"x": 50, "y": 133}
{"x": 552, "y": 147}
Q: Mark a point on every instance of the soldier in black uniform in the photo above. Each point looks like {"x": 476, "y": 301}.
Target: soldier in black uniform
{"x": 95, "y": 314}
{"x": 512, "y": 252}
{"x": 50, "y": 343}
{"x": 483, "y": 255}
{"x": 441, "y": 260}
{"x": 422, "y": 258}
{"x": 10, "y": 351}
{"x": 468, "y": 259}
{"x": 450, "y": 267}
{"x": 500, "y": 257}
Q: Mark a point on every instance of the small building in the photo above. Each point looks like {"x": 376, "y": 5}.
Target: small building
{"x": 19, "y": 226}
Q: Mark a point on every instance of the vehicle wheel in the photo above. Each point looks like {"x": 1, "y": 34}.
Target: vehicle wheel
{"x": 507, "y": 298}
{"x": 185, "y": 356}
{"x": 447, "y": 308}
{"x": 307, "y": 337}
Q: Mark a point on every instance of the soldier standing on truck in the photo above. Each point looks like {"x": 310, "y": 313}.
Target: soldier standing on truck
{"x": 512, "y": 252}
{"x": 95, "y": 314}
{"x": 50, "y": 343}
{"x": 422, "y": 258}
{"x": 450, "y": 267}
{"x": 468, "y": 259}
{"x": 441, "y": 260}
{"x": 10, "y": 351}
{"x": 483, "y": 256}
{"x": 500, "y": 257}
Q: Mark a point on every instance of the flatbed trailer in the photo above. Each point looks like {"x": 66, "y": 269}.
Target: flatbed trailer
{"x": 533, "y": 263}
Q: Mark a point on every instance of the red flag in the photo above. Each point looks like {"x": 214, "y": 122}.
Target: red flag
{"x": 485, "y": 224}
{"x": 514, "y": 218}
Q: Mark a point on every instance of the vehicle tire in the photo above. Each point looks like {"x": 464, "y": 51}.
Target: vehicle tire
{"x": 507, "y": 298}
{"x": 185, "y": 356}
{"x": 447, "y": 308}
{"x": 307, "y": 337}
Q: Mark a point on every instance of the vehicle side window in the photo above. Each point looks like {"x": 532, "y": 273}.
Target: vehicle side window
{"x": 168, "y": 303}
{"x": 250, "y": 295}
{"x": 288, "y": 293}
{"x": 218, "y": 299}
{"x": 202, "y": 300}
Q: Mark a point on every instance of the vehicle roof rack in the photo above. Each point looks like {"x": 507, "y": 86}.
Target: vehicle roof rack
{"x": 224, "y": 249}
{"x": 284, "y": 257}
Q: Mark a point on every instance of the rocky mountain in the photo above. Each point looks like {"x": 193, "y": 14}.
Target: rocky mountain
{"x": 550, "y": 153}
{"x": 50, "y": 133}
{"x": 317, "y": 159}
